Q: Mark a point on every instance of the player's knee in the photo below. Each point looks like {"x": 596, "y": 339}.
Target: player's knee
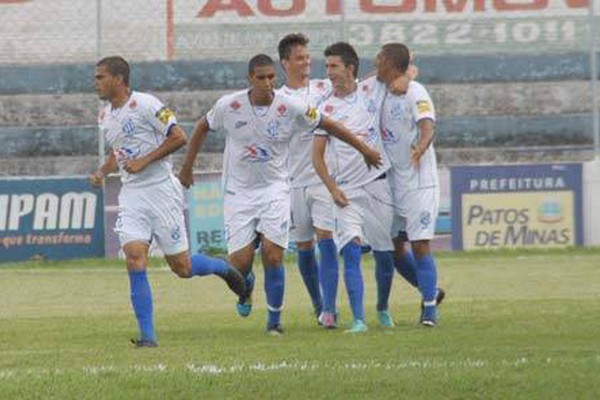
{"x": 181, "y": 269}
{"x": 273, "y": 259}
{"x": 136, "y": 263}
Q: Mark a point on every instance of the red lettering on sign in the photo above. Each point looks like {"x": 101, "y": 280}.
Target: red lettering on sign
{"x": 213, "y": 6}
{"x": 266, "y": 7}
{"x": 368, "y": 6}
{"x": 454, "y": 5}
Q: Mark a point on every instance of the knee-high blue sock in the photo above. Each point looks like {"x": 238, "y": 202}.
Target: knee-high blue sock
{"x": 141, "y": 300}
{"x": 427, "y": 277}
{"x": 274, "y": 288}
{"x": 354, "y": 280}
{"x": 205, "y": 265}
{"x": 407, "y": 268}
{"x": 329, "y": 273}
{"x": 310, "y": 275}
{"x": 384, "y": 274}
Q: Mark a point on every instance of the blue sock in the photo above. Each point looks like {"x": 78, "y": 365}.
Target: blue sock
{"x": 310, "y": 275}
{"x": 407, "y": 268}
{"x": 141, "y": 300}
{"x": 274, "y": 288}
{"x": 354, "y": 280}
{"x": 204, "y": 265}
{"x": 329, "y": 272}
{"x": 427, "y": 277}
{"x": 384, "y": 274}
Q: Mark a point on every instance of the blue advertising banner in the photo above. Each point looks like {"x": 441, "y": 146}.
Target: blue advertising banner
{"x": 516, "y": 206}
{"x": 50, "y": 218}
{"x": 205, "y": 211}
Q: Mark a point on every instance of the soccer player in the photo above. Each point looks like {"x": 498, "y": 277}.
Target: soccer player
{"x": 142, "y": 133}
{"x": 311, "y": 203}
{"x": 258, "y": 124}
{"x": 363, "y": 211}
{"x": 408, "y": 131}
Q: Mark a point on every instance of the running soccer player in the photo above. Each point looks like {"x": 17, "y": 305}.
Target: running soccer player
{"x": 363, "y": 211}
{"x": 142, "y": 133}
{"x": 311, "y": 203}
{"x": 258, "y": 124}
{"x": 408, "y": 131}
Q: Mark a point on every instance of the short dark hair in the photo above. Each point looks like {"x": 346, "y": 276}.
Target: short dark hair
{"x": 397, "y": 54}
{"x": 259, "y": 60}
{"x": 346, "y": 52}
{"x": 288, "y": 42}
{"x": 116, "y": 65}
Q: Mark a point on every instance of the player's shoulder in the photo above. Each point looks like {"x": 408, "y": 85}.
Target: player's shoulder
{"x": 232, "y": 101}
{"x": 415, "y": 88}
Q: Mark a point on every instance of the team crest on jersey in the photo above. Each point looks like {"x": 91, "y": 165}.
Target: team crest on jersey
{"x": 164, "y": 114}
{"x": 396, "y": 112}
{"x": 240, "y": 124}
{"x": 273, "y": 129}
{"x": 256, "y": 154}
{"x": 235, "y": 105}
{"x": 320, "y": 85}
{"x": 328, "y": 109}
{"x": 423, "y": 106}
{"x": 128, "y": 127}
{"x": 425, "y": 219}
{"x": 388, "y": 136}
{"x": 365, "y": 88}
{"x": 282, "y": 110}
{"x": 133, "y": 105}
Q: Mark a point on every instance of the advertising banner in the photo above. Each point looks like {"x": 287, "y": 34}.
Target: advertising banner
{"x": 205, "y": 211}
{"x": 50, "y": 218}
{"x": 516, "y": 206}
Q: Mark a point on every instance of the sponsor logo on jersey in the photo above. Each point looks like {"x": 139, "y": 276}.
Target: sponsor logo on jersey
{"x": 273, "y": 129}
{"x": 320, "y": 85}
{"x": 125, "y": 153}
{"x": 282, "y": 110}
{"x": 133, "y": 105}
{"x": 235, "y": 105}
{"x": 128, "y": 127}
{"x": 328, "y": 109}
{"x": 240, "y": 124}
{"x": 164, "y": 115}
{"x": 423, "y": 106}
{"x": 256, "y": 154}
{"x": 388, "y": 136}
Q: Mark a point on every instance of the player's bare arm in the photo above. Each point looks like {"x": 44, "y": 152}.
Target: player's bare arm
{"x": 108, "y": 167}
{"x": 195, "y": 145}
{"x": 425, "y": 138}
{"x": 372, "y": 157}
{"x": 319, "y": 146}
{"x": 174, "y": 141}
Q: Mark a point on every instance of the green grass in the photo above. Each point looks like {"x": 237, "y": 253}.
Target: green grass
{"x": 515, "y": 325}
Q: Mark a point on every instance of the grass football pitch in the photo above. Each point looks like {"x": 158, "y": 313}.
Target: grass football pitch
{"x": 514, "y": 325}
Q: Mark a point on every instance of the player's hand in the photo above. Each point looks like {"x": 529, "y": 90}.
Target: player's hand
{"x": 97, "y": 178}
{"x": 415, "y": 156}
{"x": 137, "y": 165}
{"x": 373, "y": 158}
{"x": 186, "y": 177}
{"x": 399, "y": 86}
{"x": 339, "y": 198}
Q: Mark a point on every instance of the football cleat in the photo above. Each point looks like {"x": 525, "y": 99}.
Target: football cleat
{"x": 328, "y": 320}
{"x": 439, "y": 297}
{"x": 244, "y": 304}
{"x": 358, "y": 326}
{"x": 235, "y": 280}
{"x": 429, "y": 316}
{"x": 274, "y": 330}
{"x": 385, "y": 319}
{"x": 137, "y": 343}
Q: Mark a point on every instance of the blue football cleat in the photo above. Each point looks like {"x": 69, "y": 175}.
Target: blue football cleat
{"x": 244, "y": 304}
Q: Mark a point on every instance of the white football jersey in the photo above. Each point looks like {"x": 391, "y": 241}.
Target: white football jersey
{"x": 255, "y": 163}
{"x": 136, "y": 129}
{"x": 400, "y": 132}
{"x": 360, "y": 113}
{"x": 302, "y": 172}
